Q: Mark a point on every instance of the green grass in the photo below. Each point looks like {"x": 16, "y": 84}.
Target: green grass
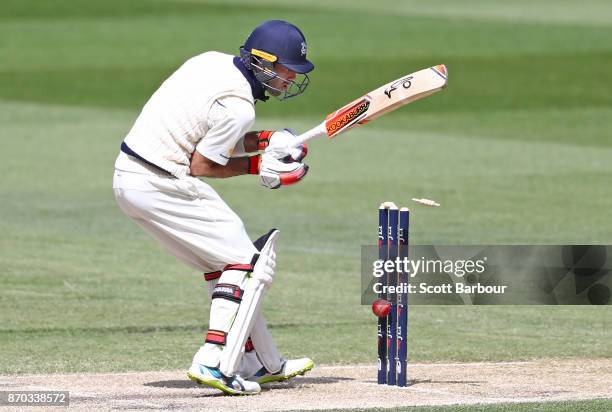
{"x": 568, "y": 406}
{"x": 517, "y": 150}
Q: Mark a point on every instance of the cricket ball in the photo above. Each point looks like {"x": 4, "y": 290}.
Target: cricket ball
{"x": 381, "y": 307}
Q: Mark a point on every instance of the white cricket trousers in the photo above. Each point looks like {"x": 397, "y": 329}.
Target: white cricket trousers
{"x": 187, "y": 217}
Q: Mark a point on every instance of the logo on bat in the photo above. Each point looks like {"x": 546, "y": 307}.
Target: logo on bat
{"x": 405, "y": 83}
{"x": 347, "y": 117}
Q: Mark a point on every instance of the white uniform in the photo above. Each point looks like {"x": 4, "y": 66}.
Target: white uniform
{"x": 188, "y": 112}
{"x": 206, "y": 105}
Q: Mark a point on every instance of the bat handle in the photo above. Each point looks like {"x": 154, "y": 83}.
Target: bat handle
{"x": 312, "y": 133}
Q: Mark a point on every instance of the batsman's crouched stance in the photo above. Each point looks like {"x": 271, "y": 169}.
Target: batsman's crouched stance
{"x": 196, "y": 124}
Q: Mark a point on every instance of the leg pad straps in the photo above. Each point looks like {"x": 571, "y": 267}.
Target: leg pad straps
{"x": 228, "y": 292}
{"x": 216, "y": 337}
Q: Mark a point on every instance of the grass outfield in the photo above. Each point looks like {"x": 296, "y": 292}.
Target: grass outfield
{"x": 570, "y": 406}
{"x": 517, "y": 150}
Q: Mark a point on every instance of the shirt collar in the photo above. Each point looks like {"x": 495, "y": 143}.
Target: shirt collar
{"x": 258, "y": 90}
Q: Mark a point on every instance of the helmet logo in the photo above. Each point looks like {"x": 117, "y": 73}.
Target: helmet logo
{"x": 266, "y": 56}
{"x": 303, "y": 48}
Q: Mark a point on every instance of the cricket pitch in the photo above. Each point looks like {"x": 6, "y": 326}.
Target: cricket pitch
{"x": 339, "y": 387}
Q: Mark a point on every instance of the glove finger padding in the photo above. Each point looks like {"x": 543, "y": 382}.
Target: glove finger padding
{"x": 275, "y": 173}
{"x": 297, "y": 154}
{"x": 282, "y": 145}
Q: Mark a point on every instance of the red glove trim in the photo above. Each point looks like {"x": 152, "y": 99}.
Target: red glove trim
{"x": 290, "y": 178}
{"x": 254, "y": 163}
{"x": 263, "y": 139}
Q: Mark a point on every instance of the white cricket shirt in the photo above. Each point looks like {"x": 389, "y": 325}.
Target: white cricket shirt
{"x": 206, "y": 105}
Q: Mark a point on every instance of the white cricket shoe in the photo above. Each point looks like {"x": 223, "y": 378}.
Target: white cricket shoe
{"x": 234, "y": 385}
{"x": 290, "y": 369}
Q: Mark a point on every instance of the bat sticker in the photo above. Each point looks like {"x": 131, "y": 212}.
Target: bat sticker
{"x": 405, "y": 83}
{"x": 347, "y": 117}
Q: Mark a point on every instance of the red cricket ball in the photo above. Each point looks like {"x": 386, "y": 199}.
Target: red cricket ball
{"x": 381, "y": 307}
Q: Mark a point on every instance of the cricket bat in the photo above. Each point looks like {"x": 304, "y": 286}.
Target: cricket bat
{"x": 386, "y": 98}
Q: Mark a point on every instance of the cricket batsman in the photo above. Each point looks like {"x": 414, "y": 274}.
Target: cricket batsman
{"x": 197, "y": 125}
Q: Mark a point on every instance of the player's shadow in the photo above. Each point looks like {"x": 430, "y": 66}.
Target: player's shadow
{"x": 304, "y": 381}
{"x": 187, "y": 384}
{"x": 413, "y": 382}
{"x": 173, "y": 384}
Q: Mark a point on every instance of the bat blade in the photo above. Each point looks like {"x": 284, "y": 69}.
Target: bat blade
{"x": 409, "y": 89}
{"x": 386, "y": 98}
{"x": 405, "y": 90}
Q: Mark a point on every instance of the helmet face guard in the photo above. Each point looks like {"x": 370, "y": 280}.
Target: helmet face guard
{"x": 277, "y": 42}
{"x": 263, "y": 69}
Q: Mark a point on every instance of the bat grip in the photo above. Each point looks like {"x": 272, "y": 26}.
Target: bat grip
{"x": 312, "y": 133}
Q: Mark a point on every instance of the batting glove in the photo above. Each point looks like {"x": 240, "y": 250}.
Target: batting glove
{"x": 274, "y": 173}
{"x": 282, "y": 144}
